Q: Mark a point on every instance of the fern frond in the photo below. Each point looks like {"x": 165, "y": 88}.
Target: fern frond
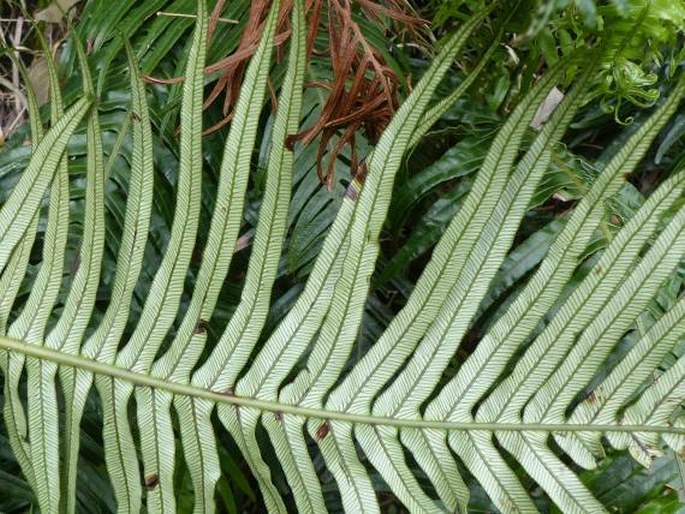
{"x": 10, "y": 281}
{"x": 539, "y": 382}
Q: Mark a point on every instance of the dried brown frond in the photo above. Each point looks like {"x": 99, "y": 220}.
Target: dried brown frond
{"x": 362, "y": 95}
{"x": 363, "y": 92}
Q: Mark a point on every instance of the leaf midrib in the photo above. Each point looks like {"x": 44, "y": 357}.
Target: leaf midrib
{"x": 141, "y": 379}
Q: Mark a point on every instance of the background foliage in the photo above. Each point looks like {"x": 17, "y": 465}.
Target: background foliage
{"x": 645, "y": 50}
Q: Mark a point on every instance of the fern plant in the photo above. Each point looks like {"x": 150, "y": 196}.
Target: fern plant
{"x": 535, "y": 395}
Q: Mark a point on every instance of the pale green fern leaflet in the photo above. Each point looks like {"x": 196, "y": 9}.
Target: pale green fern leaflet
{"x": 534, "y": 384}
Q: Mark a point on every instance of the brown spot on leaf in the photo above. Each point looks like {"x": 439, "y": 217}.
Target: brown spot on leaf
{"x": 353, "y": 189}
{"x": 278, "y": 415}
{"x": 362, "y": 173}
{"x": 151, "y": 480}
{"x": 322, "y": 431}
{"x": 290, "y": 142}
{"x": 200, "y": 327}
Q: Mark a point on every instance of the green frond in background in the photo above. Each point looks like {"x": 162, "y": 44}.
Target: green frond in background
{"x": 639, "y": 37}
{"x": 530, "y": 359}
